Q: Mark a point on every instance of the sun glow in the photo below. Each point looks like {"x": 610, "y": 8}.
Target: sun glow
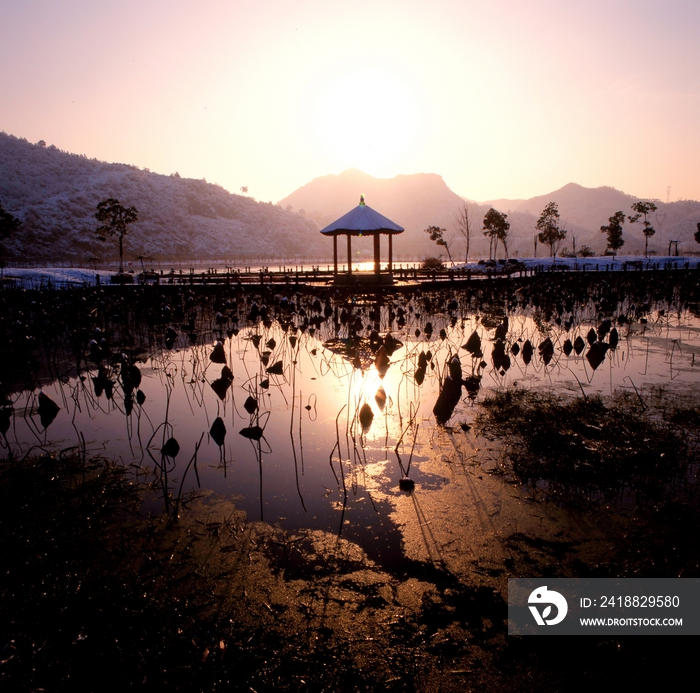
{"x": 366, "y": 120}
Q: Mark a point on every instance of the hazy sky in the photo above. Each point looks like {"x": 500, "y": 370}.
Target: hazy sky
{"x": 503, "y": 98}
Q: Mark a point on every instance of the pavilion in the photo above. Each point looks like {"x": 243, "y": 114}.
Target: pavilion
{"x": 363, "y": 221}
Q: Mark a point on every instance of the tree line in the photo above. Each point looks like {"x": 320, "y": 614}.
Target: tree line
{"x": 115, "y": 220}
{"x": 550, "y": 232}
{"x": 613, "y": 229}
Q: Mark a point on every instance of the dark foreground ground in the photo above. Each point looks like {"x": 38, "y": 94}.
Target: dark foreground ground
{"x": 95, "y": 594}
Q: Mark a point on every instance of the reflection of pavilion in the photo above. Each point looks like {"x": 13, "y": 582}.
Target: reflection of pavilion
{"x": 363, "y": 221}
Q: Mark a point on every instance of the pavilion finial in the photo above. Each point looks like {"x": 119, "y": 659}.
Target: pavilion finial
{"x": 362, "y": 200}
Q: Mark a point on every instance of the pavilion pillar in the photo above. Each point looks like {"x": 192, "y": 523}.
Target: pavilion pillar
{"x": 391, "y": 251}
{"x": 335, "y": 256}
{"x": 349, "y": 256}
{"x": 377, "y": 256}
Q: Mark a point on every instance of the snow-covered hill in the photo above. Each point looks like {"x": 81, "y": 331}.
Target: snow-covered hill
{"x": 55, "y": 195}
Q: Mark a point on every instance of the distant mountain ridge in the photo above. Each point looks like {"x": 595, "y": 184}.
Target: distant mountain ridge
{"x": 413, "y": 201}
{"x": 421, "y": 200}
{"x": 587, "y": 207}
{"x": 55, "y": 195}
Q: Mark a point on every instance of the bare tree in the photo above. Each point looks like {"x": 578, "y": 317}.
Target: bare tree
{"x": 465, "y": 224}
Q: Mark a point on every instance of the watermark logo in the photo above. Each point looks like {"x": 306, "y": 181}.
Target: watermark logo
{"x": 544, "y": 596}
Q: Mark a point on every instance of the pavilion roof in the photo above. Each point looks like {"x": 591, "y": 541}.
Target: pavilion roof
{"x": 362, "y": 220}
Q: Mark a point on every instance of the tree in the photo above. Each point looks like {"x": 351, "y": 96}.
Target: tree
{"x": 614, "y": 231}
{"x": 496, "y": 228}
{"x": 465, "y": 224}
{"x": 8, "y": 225}
{"x": 244, "y": 189}
{"x": 548, "y": 227}
{"x": 438, "y": 235}
{"x": 115, "y": 222}
{"x": 697, "y": 234}
{"x": 643, "y": 208}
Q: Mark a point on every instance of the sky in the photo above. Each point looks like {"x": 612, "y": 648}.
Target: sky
{"x": 503, "y": 99}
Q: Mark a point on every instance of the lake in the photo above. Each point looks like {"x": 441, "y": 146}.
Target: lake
{"x": 309, "y": 410}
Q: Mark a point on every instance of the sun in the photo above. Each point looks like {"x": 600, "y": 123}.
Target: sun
{"x": 366, "y": 120}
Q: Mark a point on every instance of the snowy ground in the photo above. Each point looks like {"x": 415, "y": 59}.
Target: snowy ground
{"x": 48, "y": 277}
{"x": 602, "y": 264}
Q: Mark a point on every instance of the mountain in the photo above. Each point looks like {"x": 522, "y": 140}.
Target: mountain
{"x": 421, "y": 200}
{"x": 412, "y": 201}
{"x": 588, "y": 207}
{"x": 55, "y": 195}
{"x": 584, "y": 210}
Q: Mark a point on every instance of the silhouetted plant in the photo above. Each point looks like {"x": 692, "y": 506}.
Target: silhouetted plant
{"x": 614, "y": 231}
{"x": 496, "y": 228}
{"x": 548, "y": 227}
{"x": 8, "y": 225}
{"x": 115, "y": 222}
{"x": 465, "y": 224}
{"x": 643, "y": 208}
{"x": 432, "y": 263}
{"x": 438, "y": 235}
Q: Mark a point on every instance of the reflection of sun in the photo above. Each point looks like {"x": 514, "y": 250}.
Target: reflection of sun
{"x": 363, "y": 388}
{"x": 369, "y": 387}
{"x": 366, "y": 120}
